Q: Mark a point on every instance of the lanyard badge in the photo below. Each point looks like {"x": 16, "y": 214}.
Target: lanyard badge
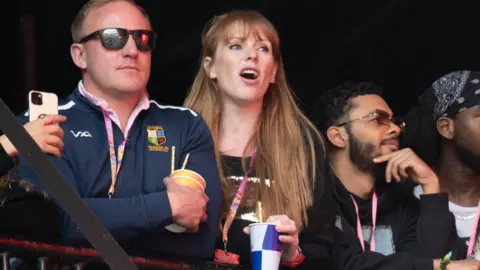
{"x": 223, "y": 256}
{"x": 115, "y": 160}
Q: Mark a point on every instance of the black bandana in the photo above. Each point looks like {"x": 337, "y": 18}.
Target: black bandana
{"x": 452, "y": 94}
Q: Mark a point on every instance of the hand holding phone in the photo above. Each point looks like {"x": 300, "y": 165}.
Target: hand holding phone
{"x": 46, "y": 132}
{"x": 41, "y": 104}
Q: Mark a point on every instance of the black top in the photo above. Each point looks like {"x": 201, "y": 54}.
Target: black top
{"x": 25, "y": 214}
{"x": 238, "y": 241}
{"x": 316, "y": 240}
{"x": 409, "y": 233}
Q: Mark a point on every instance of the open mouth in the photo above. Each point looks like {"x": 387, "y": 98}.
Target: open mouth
{"x": 249, "y": 74}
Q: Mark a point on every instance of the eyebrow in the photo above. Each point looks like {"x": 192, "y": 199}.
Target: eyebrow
{"x": 239, "y": 38}
{"x": 380, "y": 110}
{"x": 389, "y": 113}
{"x": 242, "y": 39}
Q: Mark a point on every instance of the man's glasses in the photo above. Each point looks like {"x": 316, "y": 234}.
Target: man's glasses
{"x": 382, "y": 118}
{"x": 117, "y": 38}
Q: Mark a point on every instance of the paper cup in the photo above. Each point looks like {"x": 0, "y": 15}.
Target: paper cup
{"x": 186, "y": 178}
{"x": 265, "y": 246}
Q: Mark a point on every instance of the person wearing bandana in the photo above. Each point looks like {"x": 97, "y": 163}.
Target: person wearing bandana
{"x": 444, "y": 128}
{"x": 387, "y": 226}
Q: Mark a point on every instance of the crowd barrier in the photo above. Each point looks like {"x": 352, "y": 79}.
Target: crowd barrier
{"x": 21, "y": 254}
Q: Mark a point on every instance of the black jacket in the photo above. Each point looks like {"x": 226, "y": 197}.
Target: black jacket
{"x": 24, "y": 214}
{"x": 409, "y": 233}
{"x": 319, "y": 237}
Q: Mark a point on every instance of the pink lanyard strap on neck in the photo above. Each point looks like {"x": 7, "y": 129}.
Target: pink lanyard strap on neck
{"x": 236, "y": 203}
{"x": 115, "y": 162}
{"x": 374, "y": 222}
{"x": 473, "y": 235}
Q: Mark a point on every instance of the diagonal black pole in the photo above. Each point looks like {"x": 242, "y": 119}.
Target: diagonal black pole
{"x": 60, "y": 189}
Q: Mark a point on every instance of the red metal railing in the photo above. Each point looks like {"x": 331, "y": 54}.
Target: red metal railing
{"x": 48, "y": 256}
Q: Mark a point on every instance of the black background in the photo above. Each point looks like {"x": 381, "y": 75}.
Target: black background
{"x": 402, "y": 45}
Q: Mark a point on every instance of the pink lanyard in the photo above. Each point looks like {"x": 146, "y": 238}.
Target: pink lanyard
{"x": 472, "y": 241}
{"x": 115, "y": 162}
{"x": 236, "y": 202}
{"x": 374, "y": 221}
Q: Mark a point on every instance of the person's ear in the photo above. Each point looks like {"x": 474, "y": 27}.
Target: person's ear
{"x": 446, "y": 127}
{"x": 209, "y": 67}
{"x": 337, "y": 136}
{"x": 78, "y": 54}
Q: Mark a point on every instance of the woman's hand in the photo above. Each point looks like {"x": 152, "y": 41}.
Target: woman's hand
{"x": 288, "y": 236}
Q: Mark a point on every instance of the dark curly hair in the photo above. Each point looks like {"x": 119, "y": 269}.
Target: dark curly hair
{"x": 333, "y": 105}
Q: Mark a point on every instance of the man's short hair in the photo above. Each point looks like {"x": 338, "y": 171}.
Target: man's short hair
{"x": 77, "y": 24}
{"x": 334, "y": 104}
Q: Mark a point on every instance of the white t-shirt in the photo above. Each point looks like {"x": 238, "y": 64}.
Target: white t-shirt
{"x": 464, "y": 216}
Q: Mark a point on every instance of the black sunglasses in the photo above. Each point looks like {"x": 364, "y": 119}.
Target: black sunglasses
{"x": 117, "y": 38}
{"x": 382, "y": 118}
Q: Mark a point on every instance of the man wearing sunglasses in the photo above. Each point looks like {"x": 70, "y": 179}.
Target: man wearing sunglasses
{"x": 119, "y": 145}
{"x": 386, "y": 226}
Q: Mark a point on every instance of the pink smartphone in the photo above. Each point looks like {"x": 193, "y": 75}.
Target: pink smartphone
{"x": 41, "y": 103}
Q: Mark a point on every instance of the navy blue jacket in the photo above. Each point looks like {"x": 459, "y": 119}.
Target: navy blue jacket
{"x": 139, "y": 209}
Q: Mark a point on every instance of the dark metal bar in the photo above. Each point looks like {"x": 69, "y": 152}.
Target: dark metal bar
{"x": 5, "y": 260}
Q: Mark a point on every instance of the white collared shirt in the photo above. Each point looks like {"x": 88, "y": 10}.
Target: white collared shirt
{"x": 143, "y": 104}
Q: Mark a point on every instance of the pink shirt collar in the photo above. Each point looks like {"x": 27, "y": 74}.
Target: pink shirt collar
{"x": 143, "y": 104}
